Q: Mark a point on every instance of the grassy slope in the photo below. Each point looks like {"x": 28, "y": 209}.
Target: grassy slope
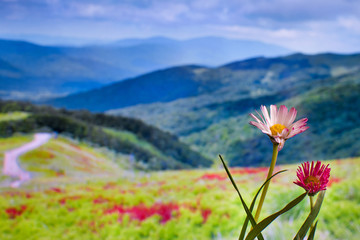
{"x": 132, "y": 138}
{"x": 64, "y": 158}
{"x": 13, "y": 116}
{"x": 201, "y": 204}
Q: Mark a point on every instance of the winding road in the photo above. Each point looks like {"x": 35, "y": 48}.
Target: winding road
{"x": 11, "y": 166}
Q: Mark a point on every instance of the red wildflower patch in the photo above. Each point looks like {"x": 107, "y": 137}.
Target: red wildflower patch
{"x": 57, "y": 190}
{"x": 234, "y": 171}
{"x": 28, "y": 195}
{"x": 213, "y": 176}
{"x": 100, "y": 200}
{"x": 205, "y": 213}
{"x": 160, "y": 183}
{"x": 65, "y": 199}
{"x": 17, "y": 194}
{"x": 131, "y": 191}
{"x": 142, "y": 212}
{"x": 88, "y": 189}
{"x": 245, "y": 171}
{"x": 333, "y": 180}
{"x": 15, "y": 212}
{"x": 110, "y": 185}
{"x": 60, "y": 173}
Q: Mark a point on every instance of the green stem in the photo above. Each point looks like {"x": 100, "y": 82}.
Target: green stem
{"x": 271, "y": 169}
{"x": 311, "y": 208}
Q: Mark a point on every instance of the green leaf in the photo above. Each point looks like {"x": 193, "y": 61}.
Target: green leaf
{"x": 264, "y": 223}
{"x": 250, "y": 216}
{"x": 243, "y": 230}
{"x": 311, "y": 218}
{"x": 312, "y": 233}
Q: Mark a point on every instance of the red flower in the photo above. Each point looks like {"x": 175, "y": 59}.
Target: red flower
{"x": 205, "y": 213}
{"x": 313, "y": 178}
{"x": 141, "y": 212}
{"x": 15, "y": 212}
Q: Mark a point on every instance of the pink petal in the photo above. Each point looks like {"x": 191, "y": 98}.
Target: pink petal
{"x": 297, "y": 131}
{"x": 281, "y": 117}
{"x": 290, "y": 117}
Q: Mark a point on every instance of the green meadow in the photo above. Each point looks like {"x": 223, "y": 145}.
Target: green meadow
{"x": 13, "y": 116}
{"x": 81, "y": 192}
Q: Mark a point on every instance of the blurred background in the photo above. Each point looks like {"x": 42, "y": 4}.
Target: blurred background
{"x": 113, "y": 113}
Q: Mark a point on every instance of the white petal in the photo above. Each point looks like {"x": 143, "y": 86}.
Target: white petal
{"x": 260, "y": 126}
{"x": 273, "y": 114}
{"x": 284, "y": 133}
{"x": 281, "y": 144}
{"x": 261, "y": 117}
{"x": 266, "y": 115}
{"x": 254, "y": 117}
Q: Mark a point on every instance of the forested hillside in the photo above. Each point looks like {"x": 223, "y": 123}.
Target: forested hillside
{"x": 151, "y": 147}
{"x": 324, "y": 88}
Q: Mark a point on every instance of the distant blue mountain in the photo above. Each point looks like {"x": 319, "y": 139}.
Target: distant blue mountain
{"x": 58, "y": 70}
{"x": 128, "y": 42}
{"x": 212, "y": 51}
{"x": 212, "y": 85}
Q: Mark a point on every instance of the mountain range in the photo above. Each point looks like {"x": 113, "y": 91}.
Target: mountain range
{"x": 208, "y": 107}
{"x": 33, "y": 72}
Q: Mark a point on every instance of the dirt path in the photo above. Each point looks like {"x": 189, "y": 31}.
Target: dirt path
{"x": 11, "y": 166}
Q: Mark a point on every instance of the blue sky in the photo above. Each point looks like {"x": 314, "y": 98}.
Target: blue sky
{"x": 308, "y": 26}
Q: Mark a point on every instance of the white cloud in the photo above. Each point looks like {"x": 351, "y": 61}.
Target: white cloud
{"x": 91, "y": 10}
{"x": 303, "y": 25}
{"x": 308, "y": 39}
{"x": 204, "y": 4}
{"x": 350, "y": 23}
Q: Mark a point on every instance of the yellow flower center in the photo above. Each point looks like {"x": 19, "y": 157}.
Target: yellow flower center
{"x": 277, "y": 129}
{"x": 311, "y": 179}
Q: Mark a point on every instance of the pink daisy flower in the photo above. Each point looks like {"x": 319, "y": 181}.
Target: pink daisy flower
{"x": 279, "y": 125}
{"x": 313, "y": 178}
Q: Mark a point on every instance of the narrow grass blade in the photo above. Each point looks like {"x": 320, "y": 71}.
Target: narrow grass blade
{"x": 311, "y": 218}
{"x": 312, "y": 233}
{"x": 264, "y": 223}
{"x": 243, "y": 230}
{"x": 248, "y": 213}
